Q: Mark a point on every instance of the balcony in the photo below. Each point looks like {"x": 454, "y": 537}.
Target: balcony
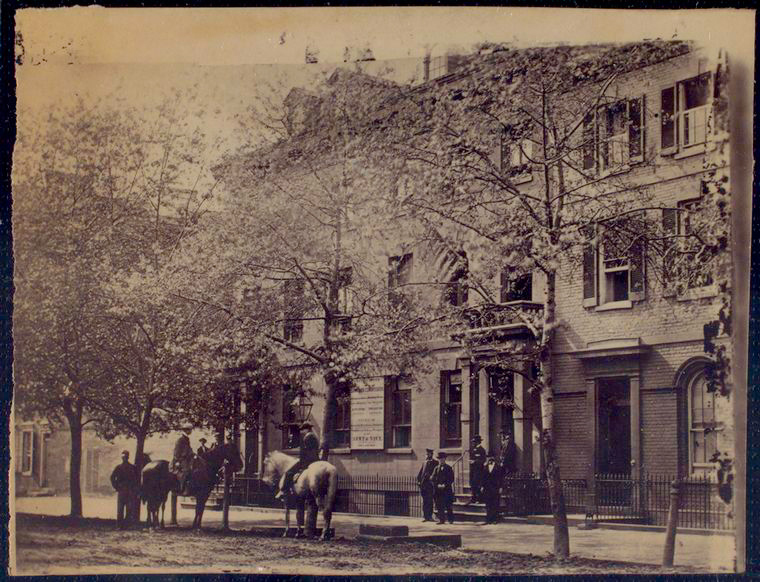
{"x": 501, "y": 320}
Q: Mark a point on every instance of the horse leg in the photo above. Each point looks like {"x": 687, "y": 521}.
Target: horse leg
{"x": 326, "y": 518}
{"x": 287, "y": 519}
{"x": 311, "y": 516}
{"x": 299, "y": 517}
{"x": 163, "y": 512}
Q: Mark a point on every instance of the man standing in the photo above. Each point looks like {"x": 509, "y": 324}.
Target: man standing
{"x": 477, "y": 460}
{"x": 307, "y": 454}
{"x": 183, "y": 459}
{"x": 506, "y": 452}
{"x": 443, "y": 482}
{"x": 425, "y": 483}
{"x": 125, "y": 480}
{"x": 491, "y": 492}
{"x": 203, "y": 449}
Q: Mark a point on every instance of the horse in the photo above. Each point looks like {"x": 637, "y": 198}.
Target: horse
{"x": 157, "y": 482}
{"x": 204, "y": 474}
{"x": 316, "y": 486}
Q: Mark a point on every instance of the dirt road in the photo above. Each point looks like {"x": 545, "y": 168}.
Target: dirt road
{"x": 60, "y": 545}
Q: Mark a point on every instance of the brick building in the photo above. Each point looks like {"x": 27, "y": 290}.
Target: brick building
{"x": 631, "y": 391}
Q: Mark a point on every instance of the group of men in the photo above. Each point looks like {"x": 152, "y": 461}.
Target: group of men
{"x": 436, "y": 481}
{"x": 125, "y": 478}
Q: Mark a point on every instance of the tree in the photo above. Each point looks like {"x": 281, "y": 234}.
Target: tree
{"x": 300, "y": 223}
{"x": 472, "y": 141}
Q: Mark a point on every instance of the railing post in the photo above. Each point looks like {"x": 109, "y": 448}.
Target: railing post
{"x": 670, "y": 534}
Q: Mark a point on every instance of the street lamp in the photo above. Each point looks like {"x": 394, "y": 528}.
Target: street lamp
{"x": 302, "y": 407}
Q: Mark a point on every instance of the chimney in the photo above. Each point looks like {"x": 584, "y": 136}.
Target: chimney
{"x": 426, "y": 67}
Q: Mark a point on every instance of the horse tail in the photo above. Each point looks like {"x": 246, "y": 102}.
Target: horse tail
{"x": 332, "y": 489}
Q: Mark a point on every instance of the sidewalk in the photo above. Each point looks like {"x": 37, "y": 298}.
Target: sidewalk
{"x": 710, "y": 553}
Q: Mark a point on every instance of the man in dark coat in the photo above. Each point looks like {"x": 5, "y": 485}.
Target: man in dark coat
{"x": 307, "y": 454}
{"x": 506, "y": 452}
{"x": 425, "y": 483}
{"x": 443, "y": 482}
{"x": 491, "y": 492}
{"x": 182, "y": 461}
{"x": 477, "y": 460}
{"x": 126, "y": 480}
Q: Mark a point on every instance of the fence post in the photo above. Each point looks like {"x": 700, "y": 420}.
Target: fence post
{"x": 670, "y": 534}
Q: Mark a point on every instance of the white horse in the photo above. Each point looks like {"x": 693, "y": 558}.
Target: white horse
{"x": 316, "y": 486}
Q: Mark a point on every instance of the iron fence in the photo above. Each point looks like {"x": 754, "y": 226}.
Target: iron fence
{"x": 379, "y": 495}
{"x": 617, "y": 497}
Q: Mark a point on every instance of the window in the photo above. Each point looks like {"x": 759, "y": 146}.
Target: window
{"x": 342, "y": 427}
{"x": 401, "y": 412}
{"x": 399, "y": 274}
{"x": 27, "y": 452}
{"x": 613, "y": 264}
{"x": 515, "y": 287}
{"x": 451, "y": 408}
{"x": 293, "y": 297}
{"x": 516, "y": 155}
{"x": 456, "y": 293}
{"x": 439, "y": 66}
{"x": 681, "y": 251}
{"x": 291, "y": 429}
{"x": 684, "y": 113}
{"x": 703, "y": 427}
{"x": 613, "y": 136}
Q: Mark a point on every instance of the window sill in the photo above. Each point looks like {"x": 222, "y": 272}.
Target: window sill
{"x": 400, "y": 451}
{"x": 614, "y": 171}
{"x": 698, "y": 293}
{"x": 615, "y": 305}
{"x": 522, "y": 179}
{"x": 451, "y": 450}
{"x": 694, "y": 150}
{"x": 344, "y": 451}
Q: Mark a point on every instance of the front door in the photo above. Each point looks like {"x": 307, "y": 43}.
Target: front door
{"x": 614, "y": 422}
{"x": 501, "y": 388}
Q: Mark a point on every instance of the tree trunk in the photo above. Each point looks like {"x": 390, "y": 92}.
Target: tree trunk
{"x": 74, "y": 417}
{"x": 133, "y": 514}
{"x": 328, "y": 418}
{"x": 556, "y": 496}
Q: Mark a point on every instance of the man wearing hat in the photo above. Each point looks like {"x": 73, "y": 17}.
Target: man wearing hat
{"x": 126, "y": 480}
{"x": 425, "y": 483}
{"x": 490, "y": 493}
{"x": 443, "y": 482}
{"x": 477, "y": 460}
{"x": 203, "y": 449}
{"x": 307, "y": 454}
{"x": 183, "y": 458}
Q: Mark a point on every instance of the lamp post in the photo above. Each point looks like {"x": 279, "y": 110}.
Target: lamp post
{"x": 302, "y": 405}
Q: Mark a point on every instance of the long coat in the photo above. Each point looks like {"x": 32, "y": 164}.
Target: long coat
{"x": 125, "y": 478}
{"x": 183, "y": 453}
{"x": 309, "y": 450}
{"x": 424, "y": 477}
{"x": 443, "y": 481}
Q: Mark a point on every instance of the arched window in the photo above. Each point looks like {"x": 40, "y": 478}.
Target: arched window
{"x": 703, "y": 427}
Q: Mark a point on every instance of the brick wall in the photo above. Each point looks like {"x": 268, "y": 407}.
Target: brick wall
{"x": 571, "y": 435}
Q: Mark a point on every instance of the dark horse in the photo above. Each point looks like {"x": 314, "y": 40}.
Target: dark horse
{"x": 157, "y": 482}
{"x": 204, "y": 475}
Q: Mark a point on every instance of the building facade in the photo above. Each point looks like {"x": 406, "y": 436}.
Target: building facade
{"x": 631, "y": 387}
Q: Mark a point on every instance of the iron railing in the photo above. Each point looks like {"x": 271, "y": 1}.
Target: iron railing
{"x": 618, "y": 497}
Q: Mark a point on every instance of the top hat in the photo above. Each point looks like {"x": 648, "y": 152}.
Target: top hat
{"x": 429, "y": 451}
{"x": 441, "y": 455}
{"x": 477, "y": 439}
{"x": 125, "y": 452}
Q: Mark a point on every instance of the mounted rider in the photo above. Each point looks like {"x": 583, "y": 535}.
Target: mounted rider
{"x": 182, "y": 462}
{"x": 307, "y": 454}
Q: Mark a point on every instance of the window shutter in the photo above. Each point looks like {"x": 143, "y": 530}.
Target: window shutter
{"x": 496, "y": 152}
{"x": 388, "y": 412}
{"x": 636, "y": 128}
{"x": 589, "y": 142}
{"x": 638, "y": 271}
{"x": 669, "y": 229}
{"x": 589, "y": 269}
{"x": 668, "y": 118}
{"x": 504, "y": 285}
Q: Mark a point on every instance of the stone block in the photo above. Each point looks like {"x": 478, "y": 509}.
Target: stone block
{"x": 383, "y": 530}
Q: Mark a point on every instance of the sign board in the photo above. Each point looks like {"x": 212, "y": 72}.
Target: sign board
{"x": 368, "y": 414}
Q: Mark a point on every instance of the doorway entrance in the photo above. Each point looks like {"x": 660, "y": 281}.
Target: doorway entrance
{"x": 614, "y": 425}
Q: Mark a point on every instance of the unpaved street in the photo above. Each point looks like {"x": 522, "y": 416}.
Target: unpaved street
{"x": 59, "y": 545}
